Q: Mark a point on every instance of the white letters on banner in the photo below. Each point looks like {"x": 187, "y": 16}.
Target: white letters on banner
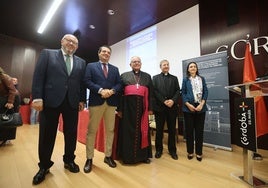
{"x": 259, "y": 42}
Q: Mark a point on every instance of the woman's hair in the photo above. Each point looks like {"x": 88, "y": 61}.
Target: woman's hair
{"x": 1, "y": 71}
{"x": 188, "y": 73}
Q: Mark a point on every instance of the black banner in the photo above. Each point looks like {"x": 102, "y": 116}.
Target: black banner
{"x": 244, "y": 129}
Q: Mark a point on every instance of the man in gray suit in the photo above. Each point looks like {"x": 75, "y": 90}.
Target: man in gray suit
{"x": 58, "y": 88}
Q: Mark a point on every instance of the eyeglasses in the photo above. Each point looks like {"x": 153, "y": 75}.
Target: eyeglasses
{"x": 138, "y": 62}
{"x": 71, "y": 41}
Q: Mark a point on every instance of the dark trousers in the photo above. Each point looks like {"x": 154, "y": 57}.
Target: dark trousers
{"x": 194, "y": 129}
{"x": 48, "y": 127}
{"x": 169, "y": 116}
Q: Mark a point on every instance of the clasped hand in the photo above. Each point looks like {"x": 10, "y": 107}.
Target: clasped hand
{"x": 106, "y": 93}
{"x": 169, "y": 103}
{"x": 197, "y": 109}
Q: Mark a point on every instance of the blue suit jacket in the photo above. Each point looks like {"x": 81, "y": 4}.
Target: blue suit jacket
{"x": 188, "y": 96}
{"x": 51, "y": 80}
{"x": 95, "y": 79}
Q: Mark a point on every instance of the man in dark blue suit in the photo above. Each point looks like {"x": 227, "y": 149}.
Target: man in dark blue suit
{"x": 57, "y": 90}
{"x": 103, "y": 81}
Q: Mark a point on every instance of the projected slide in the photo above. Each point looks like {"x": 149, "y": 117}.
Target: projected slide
{"x": 143, "y": 44}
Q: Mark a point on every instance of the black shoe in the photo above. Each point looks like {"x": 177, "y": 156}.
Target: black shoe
{"x": 110, "y": 162}
{"x": 190, "y": 156}
{"x": 199, "y": 158}
{"x": 147, "y": 161}
{"x": 40, "y": 176}
{"x": 88, "y": 166}
{"x": 158, "y": 154}
{"x": 174, "y": 156}
{"x": 72, "y": 167}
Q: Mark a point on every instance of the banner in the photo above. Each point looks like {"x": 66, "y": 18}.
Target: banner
{"x": 244, "y": 129}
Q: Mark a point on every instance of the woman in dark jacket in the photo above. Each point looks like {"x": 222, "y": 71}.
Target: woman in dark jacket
{"x": 194, "y": 96}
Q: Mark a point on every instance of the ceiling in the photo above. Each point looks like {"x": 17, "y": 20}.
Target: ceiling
{"x": 21, "y": 19}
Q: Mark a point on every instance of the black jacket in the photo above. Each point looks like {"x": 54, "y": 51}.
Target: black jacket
{"x": 165, "y": 87}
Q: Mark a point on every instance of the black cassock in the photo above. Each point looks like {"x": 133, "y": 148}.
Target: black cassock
{"x": 132, "y": 107}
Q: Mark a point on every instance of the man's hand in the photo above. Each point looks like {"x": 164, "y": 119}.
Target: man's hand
{"x": 37, "y": 105}
{"x": 169, "y": 103}
{"x": 106, "y": 93}
{"x": 81, "y": 106}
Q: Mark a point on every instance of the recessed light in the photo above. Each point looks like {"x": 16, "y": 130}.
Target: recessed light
{"x": 110, "y": 12}
{"x": 92, "y": 26}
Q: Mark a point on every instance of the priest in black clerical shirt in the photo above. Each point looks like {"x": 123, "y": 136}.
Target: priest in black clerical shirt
{"x": 167, "y": 93}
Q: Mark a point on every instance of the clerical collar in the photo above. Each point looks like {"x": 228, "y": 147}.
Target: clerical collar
{"x": 136, "y": 72}
{"x": 165, "y": 74}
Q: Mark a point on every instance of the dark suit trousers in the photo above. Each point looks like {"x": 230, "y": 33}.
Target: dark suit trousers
{"x": 48, "y": 127}
{"x": 169, "y": 116}
{"x": 194, "y": 129}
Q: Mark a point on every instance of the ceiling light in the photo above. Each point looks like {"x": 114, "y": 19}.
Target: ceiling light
{"x": 49, "y": 15}
{"x": 110, "y": 12}
{"x": 92, "y": 26}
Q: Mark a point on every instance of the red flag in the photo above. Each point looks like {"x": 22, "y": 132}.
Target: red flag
{"x": 249, "y": 75}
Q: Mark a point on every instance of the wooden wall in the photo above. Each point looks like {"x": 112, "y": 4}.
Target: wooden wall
{"x": 225, "y": 22}
{"x": 18, "y": 58}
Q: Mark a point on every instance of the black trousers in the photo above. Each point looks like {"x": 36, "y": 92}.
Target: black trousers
{"x": 167, "y": 115}
{"x": 194, "y": 129}
{"x": 48, "y": 127}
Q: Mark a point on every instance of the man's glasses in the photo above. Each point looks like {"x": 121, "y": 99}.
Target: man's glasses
{"x": 71, "y": 41}
{"x": 138, "y": 62}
